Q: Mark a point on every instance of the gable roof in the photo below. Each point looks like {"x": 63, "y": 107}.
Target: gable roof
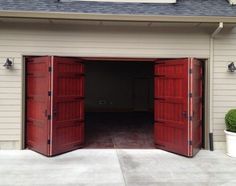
{"x": 181, "y": 8}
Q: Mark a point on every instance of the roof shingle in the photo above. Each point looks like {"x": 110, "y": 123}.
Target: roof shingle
{"x": 181, "y": 8}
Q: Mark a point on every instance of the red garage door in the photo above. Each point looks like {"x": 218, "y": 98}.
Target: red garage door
{"x": 178, "y": 105}
{"x": 38, "y": 103}
{"x": 55, "y": 104}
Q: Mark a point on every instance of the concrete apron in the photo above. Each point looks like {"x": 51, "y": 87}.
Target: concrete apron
{"x": 106, "y": 167}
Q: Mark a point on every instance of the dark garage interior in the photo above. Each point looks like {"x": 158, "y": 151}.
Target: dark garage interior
{"x": 119, "y": 104}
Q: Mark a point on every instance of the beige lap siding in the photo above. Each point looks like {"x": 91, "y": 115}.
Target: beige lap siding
{"x": 10, "y": 104}
{"x": 107, "y": 39}
{"x": 224, "y": 84}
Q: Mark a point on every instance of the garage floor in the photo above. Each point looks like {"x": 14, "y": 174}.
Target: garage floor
{"x": 111, "y": 167}
{"x": 126, "y": 130}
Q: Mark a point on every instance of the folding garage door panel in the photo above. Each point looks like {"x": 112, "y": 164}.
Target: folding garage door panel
{"x": 171, "y": 105}
{"x": 68, "y": 105}
{"x": 38, "y": 104}
{"x": 196, "y": 106}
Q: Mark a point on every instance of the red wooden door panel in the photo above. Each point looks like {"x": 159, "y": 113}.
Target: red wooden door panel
{"x": 196, "y": 106}
{"x": 178, "y": 106}
{"x": 171, "y": 105}
{"x": 68, "y": 105}
{"x": 38, "y": 104}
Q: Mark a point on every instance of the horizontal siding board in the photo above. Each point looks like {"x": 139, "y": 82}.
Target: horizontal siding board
{"x": 223, "y": 47}
{"x": 14, "y": 72}
{"x": 10, "y": 101}
{"x": 10, "y": 79}
{"x": 219, "y": 138}
{"x": 14, "y": 95}
{"x": 224, "y": 93}
{"x": 224, "y": 98}
{"x": 224, "y": 87}
{"x": 9, "y": 144}
{"x": 219, "y": 116}
{"x": 13, "y": 108}
{"x": 225, "y": 103}
{"x": 10, "y": 90}
{"x": 75, "y": 42}
{"x": 222, "y": 108}
{"x": 229, "y": 82}
{"x": 225, "y": 58}
{"x": 94, "y": 34}
{"x": 10, "y": 126}
{"x": 10, "y": 132}
{"x": 7, "y": 114}
{"x": 221, "y": 69}
{"x": 117, "y": 51}
{"x": 223, "y": 75}
{"x": 111, "y": 44}
{"x": 219, "y": 127}
{"x": 10, "y": 120}
{"x": 10, "y": 84}
{"x": 10, "y": 137}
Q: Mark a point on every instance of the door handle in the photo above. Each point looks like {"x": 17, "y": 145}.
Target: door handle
{"x": 184, "y": 114}
{"x": 54, "y": 112}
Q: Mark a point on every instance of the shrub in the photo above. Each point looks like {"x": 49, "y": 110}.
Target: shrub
{"x": 230, "y": 120}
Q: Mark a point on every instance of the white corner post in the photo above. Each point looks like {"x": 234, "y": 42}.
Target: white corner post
{"x": 211, "y": 77}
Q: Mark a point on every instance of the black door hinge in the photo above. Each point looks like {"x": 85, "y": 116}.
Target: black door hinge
{"x": 190, "y": 71}
{"x": 49, "y": 69}
{"x": 49, "y": 93}
{"x": 190, "y": 94}
{"x": 49, "y": 117}
{"x": 190, "y": 118}
{"x": 190, "y": 142}
{"x": 48, "y": 141}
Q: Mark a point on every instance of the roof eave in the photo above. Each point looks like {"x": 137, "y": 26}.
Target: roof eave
{"x": 113, "y": 17}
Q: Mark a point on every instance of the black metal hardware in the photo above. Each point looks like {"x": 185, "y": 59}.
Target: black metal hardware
{"x": 54, "y": 112}
{"x": 231, "y": 67}
{"x": 190, "y": 142}
{"x": 211, "y": 141}
{"x": 190, "y": 118}
{"x": 8, "y": 64}
{"x": 184, "y": 114}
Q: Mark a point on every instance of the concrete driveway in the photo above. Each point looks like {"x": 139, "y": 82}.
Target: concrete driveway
{"x": 111, "y": 167}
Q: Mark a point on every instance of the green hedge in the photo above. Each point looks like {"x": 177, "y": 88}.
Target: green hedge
{"x": 230, "y": 120}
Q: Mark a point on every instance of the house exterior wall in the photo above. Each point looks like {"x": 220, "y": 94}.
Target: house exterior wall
{"x": 107, "y": 39}
{"x": 224, "y": 85}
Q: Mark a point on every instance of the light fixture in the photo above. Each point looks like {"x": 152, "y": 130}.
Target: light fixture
{"x": 8, "y": 64}
{"x": 231, "y": 67}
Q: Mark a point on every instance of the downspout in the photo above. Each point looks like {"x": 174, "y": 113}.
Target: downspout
{"x": 211, "y": 66}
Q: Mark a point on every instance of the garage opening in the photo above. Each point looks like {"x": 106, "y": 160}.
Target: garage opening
{"x": 119, "y": 104}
